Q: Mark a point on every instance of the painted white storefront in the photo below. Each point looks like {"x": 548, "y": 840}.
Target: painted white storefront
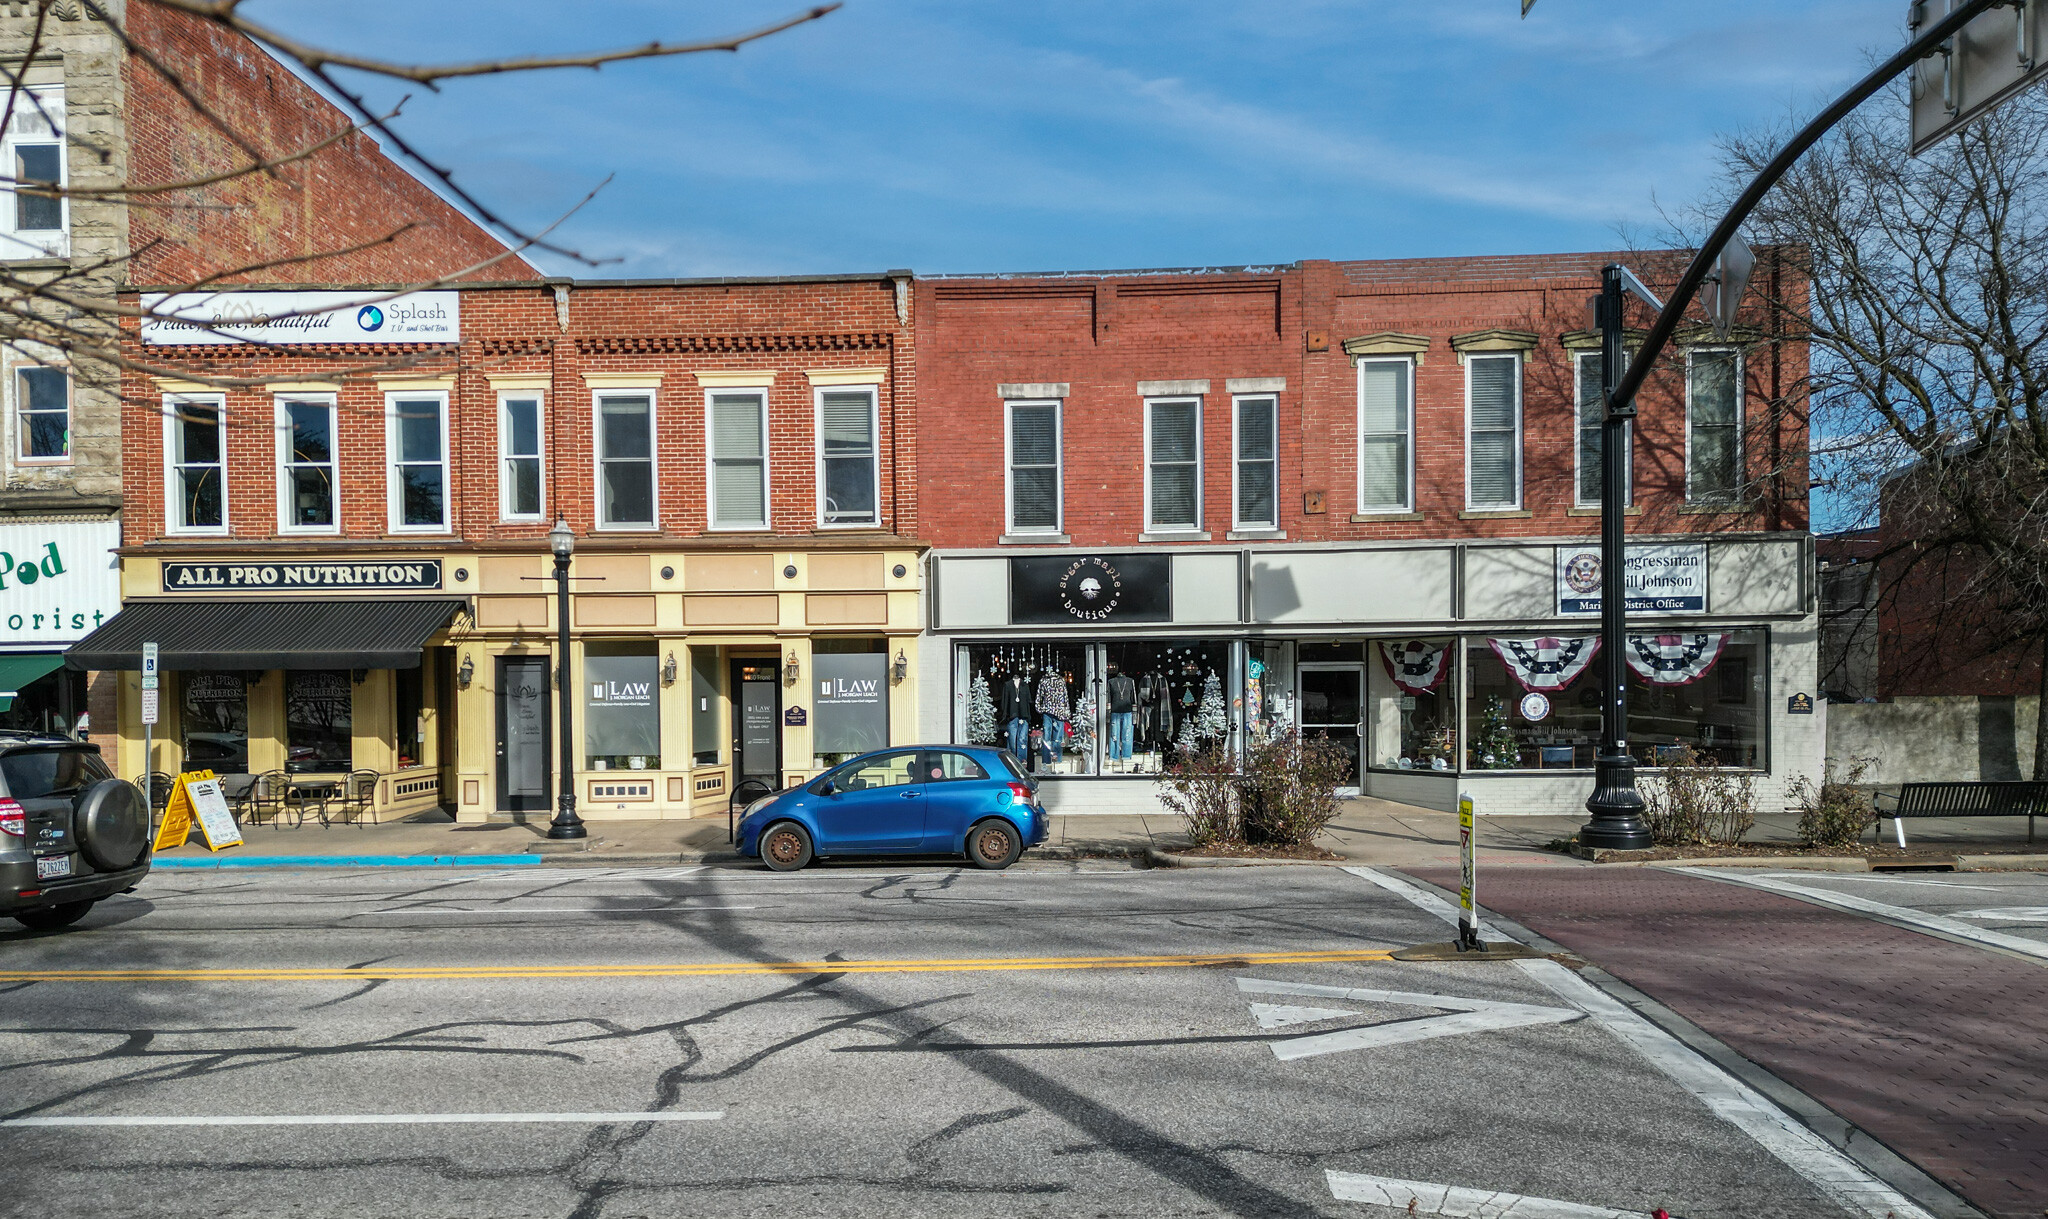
{"x": 1314, "y": 616}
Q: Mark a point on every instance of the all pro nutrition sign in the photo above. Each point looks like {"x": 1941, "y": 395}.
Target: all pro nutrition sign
{"x": 290, "y": 319}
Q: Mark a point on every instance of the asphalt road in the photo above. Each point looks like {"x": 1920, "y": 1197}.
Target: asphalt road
{"x": 918, "y": 1041}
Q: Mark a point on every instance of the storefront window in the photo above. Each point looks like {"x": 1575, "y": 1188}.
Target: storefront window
{"x": 1534, "y": 703}
{"x": 1175, "y": 689}
{"x": 704, "y": 697}
{"x": 621, "y": 711}
{"x": 1022, "y": 697}
{"x": 1110, "y": 708}
{"x": 318, "y": 719}
{"x": 409, "y": 691}
{"x": 850, "y": 680}
{"x": 216, "y": 722}
{"x": 1414, "y": 704}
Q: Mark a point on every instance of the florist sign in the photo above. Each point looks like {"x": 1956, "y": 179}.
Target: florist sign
{"x": 58, "y": 581}
{"x": 1662, "y": 578}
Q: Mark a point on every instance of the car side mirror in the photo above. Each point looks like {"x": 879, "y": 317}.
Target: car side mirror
{"x": 825, "y": 788}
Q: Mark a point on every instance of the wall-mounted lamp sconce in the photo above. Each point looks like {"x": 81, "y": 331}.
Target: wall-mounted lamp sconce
{"x": 359, "y": 676}
{"x": 466, "y": 674}
{"x": 252, "y": 677}
{"x": 901, "y": 669}
{"x": 790, "y": 671}
{"x": 668, "y": 670}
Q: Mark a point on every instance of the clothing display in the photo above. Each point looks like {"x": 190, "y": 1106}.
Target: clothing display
{"x": 1018, "y": 732}
{"x": 1013, "y": 699}
{"x": 1120, "y": 736}
{"x": 1123, "y": 693}
{"x": 1052, "y": 695}
{"x": 1055, "y": 737}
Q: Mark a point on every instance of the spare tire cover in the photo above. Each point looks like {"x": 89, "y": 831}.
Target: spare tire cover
{"x": 113, "y": 825}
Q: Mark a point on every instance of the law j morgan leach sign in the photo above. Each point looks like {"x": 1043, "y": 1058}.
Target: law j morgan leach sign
{"x": 1668, "y": 579}
{"x": 291, "y": 319}
{"x": 412, "y": 575}
{"x": 1066, "y": 589}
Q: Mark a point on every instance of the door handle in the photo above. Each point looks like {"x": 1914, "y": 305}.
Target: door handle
{"x": 911, "y": 795}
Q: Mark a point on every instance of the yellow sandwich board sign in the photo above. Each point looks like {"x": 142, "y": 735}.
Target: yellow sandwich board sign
{"x": 196, "y": 797}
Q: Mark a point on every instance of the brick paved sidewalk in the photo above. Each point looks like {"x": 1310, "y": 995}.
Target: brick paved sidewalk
{"x": 1937, "y": 1049}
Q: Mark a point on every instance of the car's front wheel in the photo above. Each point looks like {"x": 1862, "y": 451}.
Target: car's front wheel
{"x": 994, "y": 845}
{"x": 785, "y": 846}
{"x": 53, "y": 918}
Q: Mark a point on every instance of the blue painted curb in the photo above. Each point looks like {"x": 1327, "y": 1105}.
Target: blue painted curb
{"x": 349, "y": 861}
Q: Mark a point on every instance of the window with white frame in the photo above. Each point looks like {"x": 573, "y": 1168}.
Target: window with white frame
{"x": 1591, "y": 409}
{"x": 32, "y": 150}
{"x": 306, "y": 496}
{"x": 1258, "y": 462}
{"x": 1713, "y": 426}
{"x": 1493, "y": 431}
{"x": 416, "y": 438}
{"x": 519, "y": 456}
{"x": 42, "y": 404}
{"x": 1386, "y": 435}
{"x": 625, "y": 460}
{"x": 195, "y": 464}
{"x": 849, "y": 486}
{"x": 738, "y": 423}
{"x": 1033, "y": 461}
{"x": 1173, "y": 463}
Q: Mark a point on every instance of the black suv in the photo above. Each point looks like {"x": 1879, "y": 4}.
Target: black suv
{"x": 70, "y": 832}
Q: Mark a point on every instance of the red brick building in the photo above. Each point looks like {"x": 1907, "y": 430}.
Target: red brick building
{"x": 1353, "y": 496}
{"x": 735, "y": 460}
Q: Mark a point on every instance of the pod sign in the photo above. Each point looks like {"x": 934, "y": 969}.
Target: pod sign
{"x": 58, "y": 582}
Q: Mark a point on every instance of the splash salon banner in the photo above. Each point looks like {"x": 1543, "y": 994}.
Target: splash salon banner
{"x": 217, "y": 319}
{"x": 1069, "y": 588}
{"x": 1660, "y": 579}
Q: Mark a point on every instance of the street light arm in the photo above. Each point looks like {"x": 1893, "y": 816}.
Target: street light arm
{"x": 1703, "y": 262}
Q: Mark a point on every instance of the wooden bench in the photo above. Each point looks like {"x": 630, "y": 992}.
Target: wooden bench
{"x": 2001, "y": 799}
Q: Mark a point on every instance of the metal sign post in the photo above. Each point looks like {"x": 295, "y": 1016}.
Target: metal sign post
{"x": 149, "y": 709}
{"x": 1468, "y": 891}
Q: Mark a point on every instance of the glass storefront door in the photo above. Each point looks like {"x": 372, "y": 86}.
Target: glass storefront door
{"x": 757, "y": 721}
{"x": 1332, "y": 706}
{"x": 523, "y": 723}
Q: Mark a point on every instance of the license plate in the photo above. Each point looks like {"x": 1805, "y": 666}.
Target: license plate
{"x": 50, "y": 867}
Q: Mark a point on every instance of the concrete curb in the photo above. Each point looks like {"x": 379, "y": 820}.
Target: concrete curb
{"x": 1167, "y": 859}
{"x": 2002, "y": 863}
{"x": 1789, "y": 863}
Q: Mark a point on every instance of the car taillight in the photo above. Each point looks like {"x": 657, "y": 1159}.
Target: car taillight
{"x": 12, "y": 819}
{"x": 1019, "y": 794}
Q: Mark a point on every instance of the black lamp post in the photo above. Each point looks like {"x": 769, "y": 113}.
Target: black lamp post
{"x": 566, "y": 823}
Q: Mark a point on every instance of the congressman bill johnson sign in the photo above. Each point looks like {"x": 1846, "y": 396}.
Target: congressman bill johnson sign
{"x": 1660, "y": 579}
{"x": 213, "y": 319}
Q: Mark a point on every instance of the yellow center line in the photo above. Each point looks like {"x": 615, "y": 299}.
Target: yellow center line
{"x": 496, "y": 973}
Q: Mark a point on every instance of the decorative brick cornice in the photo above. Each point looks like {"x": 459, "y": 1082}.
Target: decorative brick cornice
{"x": 515, "y": 347}
{"x": 636, "y": 344}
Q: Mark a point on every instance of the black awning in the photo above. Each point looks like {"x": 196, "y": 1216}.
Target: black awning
{"x": 300, "y": 633}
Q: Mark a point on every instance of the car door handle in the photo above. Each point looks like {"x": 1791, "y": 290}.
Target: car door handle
{"x": 912, "y": 795}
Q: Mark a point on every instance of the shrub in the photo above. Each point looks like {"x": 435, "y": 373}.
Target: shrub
{"x": 1834, "y": 814}
{"x": 1696, "y": 803}
{"x": 1291, "y": 788}
{"x": 1200, "y": 786}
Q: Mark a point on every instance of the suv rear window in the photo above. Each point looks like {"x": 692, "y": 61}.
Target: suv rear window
{"x": 32, "y": 773}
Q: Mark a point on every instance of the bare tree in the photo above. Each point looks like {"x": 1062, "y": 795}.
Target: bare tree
{"x": 1928, "y": 319}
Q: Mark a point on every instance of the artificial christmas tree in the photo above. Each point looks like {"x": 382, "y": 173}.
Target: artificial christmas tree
{"x": 981, "y": 712}
{"x": 1493, "y": 744}
{"x": 1082, "y": 739}
{"x": 1210, "y": 721}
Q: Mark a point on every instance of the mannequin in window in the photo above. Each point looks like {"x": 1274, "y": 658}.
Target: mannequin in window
{"x": 1054, "y": 705}
{"x": 1013, "y": 712}
{"x": 1122, "y": 693}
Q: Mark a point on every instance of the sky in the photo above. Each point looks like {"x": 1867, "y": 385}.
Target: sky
{"x": 969, "y": 136}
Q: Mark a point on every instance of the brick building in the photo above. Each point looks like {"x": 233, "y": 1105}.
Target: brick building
{"x": 1357, "y": 496}
{"x": 108, "y": 95}
{"x": 371, "y": 590}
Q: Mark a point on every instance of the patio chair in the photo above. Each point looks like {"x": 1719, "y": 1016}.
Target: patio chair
{"x": 265, "y": 798}
{"x": 356, "y": 797}
{"x": 156, "y": 787}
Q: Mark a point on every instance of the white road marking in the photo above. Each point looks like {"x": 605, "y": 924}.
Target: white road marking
{"x": 1885, "y": 880}
{"x": 1427, "y": 1198}
{"x": 1903, "y": 914}
{"x": 2010, "y": 914}
{"x": 366, "y": 1119}
{"x": 1473, "y": 1016}
{"x": 1280, "y": 1015}
{"x": 1735, "y": 1102}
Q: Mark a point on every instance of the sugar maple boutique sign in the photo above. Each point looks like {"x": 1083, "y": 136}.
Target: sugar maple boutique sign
{"x": 1065, "y": 589}
{"x": 411, "y": 576}
{"x": 217, "y": 319}
{"x": 1660, "y": 579}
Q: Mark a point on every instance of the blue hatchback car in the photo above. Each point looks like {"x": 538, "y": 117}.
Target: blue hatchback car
{"x": 967, "y": 800}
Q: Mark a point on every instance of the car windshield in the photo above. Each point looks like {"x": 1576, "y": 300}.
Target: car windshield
{"x": 30, "y": 774}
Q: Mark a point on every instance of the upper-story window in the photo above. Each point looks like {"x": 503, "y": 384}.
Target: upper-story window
{"x": 625, "y": 460}
{"x": 849, "y": 484}
{"x": 33, "y": 155}
{"x": 195, "y": 464}
{"x": 416, "y": 438}
{"x": 1173, "y": 463}
{"x": 1493, "y": 431}
{"x": 1257, "y": 461}
{"x": 306, "y": 496}
{"x": 1386, "y": 435}
{"x": 42, "y": 403}
{"x": 1033, "y": 461}
{"x": 1713, "y": 426}
{"x": 519, "y": 497}
{"x": 1591, "y": 409}
{"x": 738, "y": 423}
